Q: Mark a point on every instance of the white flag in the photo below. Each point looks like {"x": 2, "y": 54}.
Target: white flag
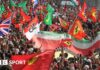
{"x": 32, "y": 31}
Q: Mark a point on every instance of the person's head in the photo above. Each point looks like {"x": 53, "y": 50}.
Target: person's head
{"x": 54, "y": 60}
{"x": 65, "y": 55}
{"x": 60, "y": 55}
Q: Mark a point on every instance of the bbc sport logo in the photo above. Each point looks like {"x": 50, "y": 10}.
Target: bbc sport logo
{"x": 10, "y": 62}
{"x": 3, "y": 62}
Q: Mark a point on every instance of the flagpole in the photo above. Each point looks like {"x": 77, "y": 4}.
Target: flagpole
{"x": 62, "y": 58}
{"x": 99, "y": 55}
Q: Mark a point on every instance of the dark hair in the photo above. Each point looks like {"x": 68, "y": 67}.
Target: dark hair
{"x": 66, "y": 55}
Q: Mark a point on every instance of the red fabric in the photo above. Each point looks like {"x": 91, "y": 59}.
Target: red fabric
{"x": 6, "y": 14}
{"x": 77, "y": 30}
{"x": 93, "y": 14}
{"x": 14, "y": 17}
{"x": 98, "y": 16}
{"x": 30, "y": 10}
{"x": 41, "y": 17}
{"x": 63, "y": 23}
{"x": 17, "y": 26}
{"x": 54, "y": 27}
{"x": 46, "y": 44}
{"x": 66, "y": 42}
{"x": 86, "y": 52}
{"x": 41, "y": 61}
{"x": 35, "y": 20}
{"x": 25, "y": 17}
{"x": 31, "y": 23}
{"x": 84, "y": 7}
{"x": 82, "y": 14}
{"x": 13, "y": 20}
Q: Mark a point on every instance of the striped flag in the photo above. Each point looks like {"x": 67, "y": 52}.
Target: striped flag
{"x": 4, "y": 26}
{"x": 31, "y": 31}
{"x": 75, "y": 2}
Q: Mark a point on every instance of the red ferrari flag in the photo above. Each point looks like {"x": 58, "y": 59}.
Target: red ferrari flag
{"x": 82, "y": 14}
{"x": 7, "y": 13}
{"x": 63, "y": 23}
{"x": 66, "y": 42}
{"x": 93, "y": 14}
{"x": 25, "y": 17}
{"x": 40, "y": 61}
{"x": 54, "y": 27}
{"x": 33, "y": 22}
{"x": 77, "y": 30}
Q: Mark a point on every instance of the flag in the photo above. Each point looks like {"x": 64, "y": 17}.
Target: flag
{"x": 47, "y": 40}
{"x": 2, "y": 9}
{"x": 48, "y": 19}
{"x": 34, "y": 21}
{"x": 14, "y": 15}
{"x": 50, "y": 9}
{"x": 63, "y": 23}
{"x": 25, "y": 17}
{"x": 93, "y": 14}
{"x": 75, "y": 2}
{"x": 54, "y": 27}
{"x": 12, "y": 3}
{"x": 31, "y": 31}
{"x": 66, "y": 42}
{"x": 17, "y": 26}
{"x": 38, "y": 61}
{"x": 23, "y": 6}
{"x": 6, "y": 14}
{"x": 4, "y": 26}
{"x": 77, "y": 31}
{"x": 82, "y": 14}
{"x": 85, "y": 51}
{"x": 84, "y": 7}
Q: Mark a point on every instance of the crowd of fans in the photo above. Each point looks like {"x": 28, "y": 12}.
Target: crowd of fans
{"x": 75, "y": 63}
{"x": 16, "y": 43}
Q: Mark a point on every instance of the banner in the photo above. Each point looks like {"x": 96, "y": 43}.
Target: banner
{"x": 40, "y": 61}
{"x": 50, "y": 41}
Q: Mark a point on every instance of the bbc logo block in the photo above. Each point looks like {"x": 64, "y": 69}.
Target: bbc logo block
{"x": 0, "y": 62}
{"x": 3, "y": 62}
